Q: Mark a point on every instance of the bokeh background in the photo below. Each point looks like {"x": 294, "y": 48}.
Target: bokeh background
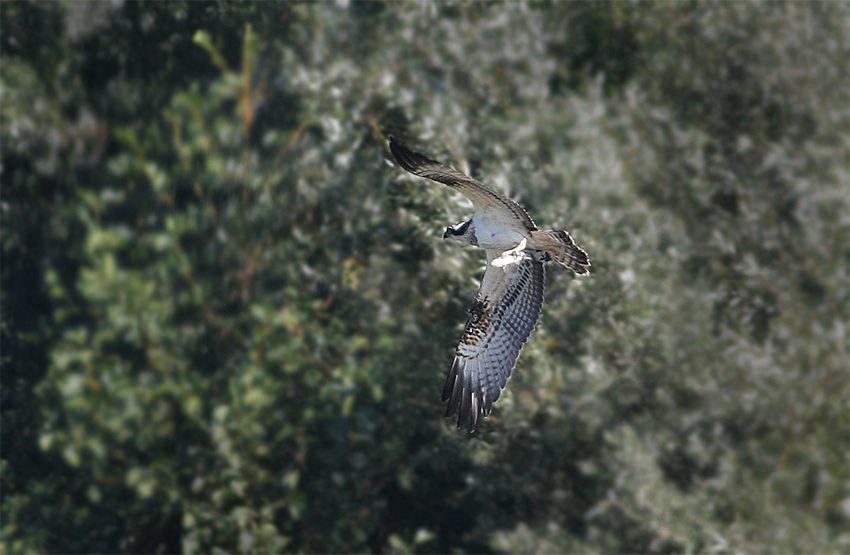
{"x": 226, "y": 317}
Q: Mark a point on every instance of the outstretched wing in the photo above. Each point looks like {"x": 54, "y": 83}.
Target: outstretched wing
{"x": 482, "y": 197}
{"x": 501, "y": 318}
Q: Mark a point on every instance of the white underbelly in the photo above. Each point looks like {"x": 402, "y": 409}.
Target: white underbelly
{"x": 493, "y": 234}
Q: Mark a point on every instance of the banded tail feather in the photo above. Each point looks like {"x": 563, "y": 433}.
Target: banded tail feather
{"x": 561, "y": 247}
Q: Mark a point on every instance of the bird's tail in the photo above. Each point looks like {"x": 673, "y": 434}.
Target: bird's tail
{"x": 560, "y": 246}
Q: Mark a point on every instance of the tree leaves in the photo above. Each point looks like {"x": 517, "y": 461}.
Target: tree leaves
{"x": 226, "y": 318}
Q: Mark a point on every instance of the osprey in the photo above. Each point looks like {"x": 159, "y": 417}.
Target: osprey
{"x": 509, "y": 301}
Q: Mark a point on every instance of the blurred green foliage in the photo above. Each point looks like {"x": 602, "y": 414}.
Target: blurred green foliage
{"x": 226, "y": 318}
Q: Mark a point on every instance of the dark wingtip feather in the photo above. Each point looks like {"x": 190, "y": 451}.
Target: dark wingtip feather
{"x": 408, "y": 159}
{"x": 454, "y": 387}
{"x": 451, "y": 380}
{"x": 475, "y": 412}
{"x": 466, "y": 401}
{"x": 403, "y": 155}
{"x": 463, "y": 400}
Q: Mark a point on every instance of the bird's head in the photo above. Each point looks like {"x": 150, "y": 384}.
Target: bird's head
{"x": 462, "y": 232}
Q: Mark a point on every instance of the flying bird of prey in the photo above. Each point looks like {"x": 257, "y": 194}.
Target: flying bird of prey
{"x": 509, "y": 301}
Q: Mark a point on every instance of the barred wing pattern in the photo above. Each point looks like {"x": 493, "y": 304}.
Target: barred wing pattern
{"x": 501, "y": 319}
{"x": 483, "y": 198}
